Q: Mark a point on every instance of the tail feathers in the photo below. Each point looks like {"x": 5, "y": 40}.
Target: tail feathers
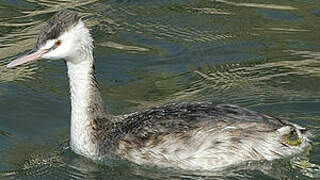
{"x": 294, "y": 135}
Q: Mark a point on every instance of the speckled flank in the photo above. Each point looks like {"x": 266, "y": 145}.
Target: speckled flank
{"x": 206, "y": 136}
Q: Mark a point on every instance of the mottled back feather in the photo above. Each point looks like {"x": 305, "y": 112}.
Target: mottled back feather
{"x": 139, "y": 127}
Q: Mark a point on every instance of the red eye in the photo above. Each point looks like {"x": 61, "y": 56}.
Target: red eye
{"x": 58, "y": 43}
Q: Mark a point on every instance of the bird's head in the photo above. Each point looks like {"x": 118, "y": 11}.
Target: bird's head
{"x": 64, "y": 36}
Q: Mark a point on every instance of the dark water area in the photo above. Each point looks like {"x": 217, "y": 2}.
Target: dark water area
{"x": 263, "y": 55}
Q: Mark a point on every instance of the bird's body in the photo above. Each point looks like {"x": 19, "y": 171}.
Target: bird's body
{"x": 195, "y": 135}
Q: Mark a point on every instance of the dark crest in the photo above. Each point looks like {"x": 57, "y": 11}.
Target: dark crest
{"x": 56, "y": 25}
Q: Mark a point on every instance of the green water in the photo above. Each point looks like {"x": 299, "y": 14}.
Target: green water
{"x": 264, "y": 55}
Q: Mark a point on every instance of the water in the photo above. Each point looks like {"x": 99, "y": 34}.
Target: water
{"x": 263, "y": 55}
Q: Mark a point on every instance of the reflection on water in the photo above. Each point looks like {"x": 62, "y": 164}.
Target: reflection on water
{"x": 258, "y": 54}
{"x": 123, "y": 47}
{"x": 274, "y": 73}
{"x": 41, "y": 164}
{"x": 258, "y": 5}
{"x": 8, "y": 75}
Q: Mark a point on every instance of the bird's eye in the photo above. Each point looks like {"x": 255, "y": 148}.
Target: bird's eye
{"x": 58, "y": 43}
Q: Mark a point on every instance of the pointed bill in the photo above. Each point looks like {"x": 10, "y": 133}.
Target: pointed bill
{"x": 27, "y": 58}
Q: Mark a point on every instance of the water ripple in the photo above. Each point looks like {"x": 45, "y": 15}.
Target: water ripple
{"x": 4, "y": 133}
{"x": 123, "y": 47}
{"x": 56, "y": 6}
{"x": 212, "y": 11}
{"x": 258, "y": 5}
{"x": 138, "y": 20}
{"x": 270, "y": 81}
{"x": 36, "y": 165}
{"x": 18, "y": 74}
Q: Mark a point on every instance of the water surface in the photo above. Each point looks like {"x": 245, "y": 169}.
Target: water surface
{"x": 263, "y": 55}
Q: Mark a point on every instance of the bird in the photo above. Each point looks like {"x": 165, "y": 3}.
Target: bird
{"x": 200, "y": 135}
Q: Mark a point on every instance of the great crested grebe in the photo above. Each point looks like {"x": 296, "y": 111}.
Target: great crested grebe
{"x": 196, "y": 135}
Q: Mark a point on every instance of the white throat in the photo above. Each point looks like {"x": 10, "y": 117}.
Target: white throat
{"x": 80, "y": 89}
{"x": 86, "y": 102}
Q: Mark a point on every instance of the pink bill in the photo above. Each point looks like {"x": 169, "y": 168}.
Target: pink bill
{"x": 27, "y": 58}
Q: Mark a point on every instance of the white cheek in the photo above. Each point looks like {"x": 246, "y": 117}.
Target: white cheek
{"x": 61, "y": 52}
{"x": 74, "y": 44}
{"x": 66, "y": 48}
{"x": 49, "y": 44}
{"x": 48, "y": 55}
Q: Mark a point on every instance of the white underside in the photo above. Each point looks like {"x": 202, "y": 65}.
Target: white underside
{"x": 201, "y": 152}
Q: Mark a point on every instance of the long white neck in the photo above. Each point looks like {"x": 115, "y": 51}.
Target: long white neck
{"x": 88, "y": 116}
{"x": 86, "y": 106}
